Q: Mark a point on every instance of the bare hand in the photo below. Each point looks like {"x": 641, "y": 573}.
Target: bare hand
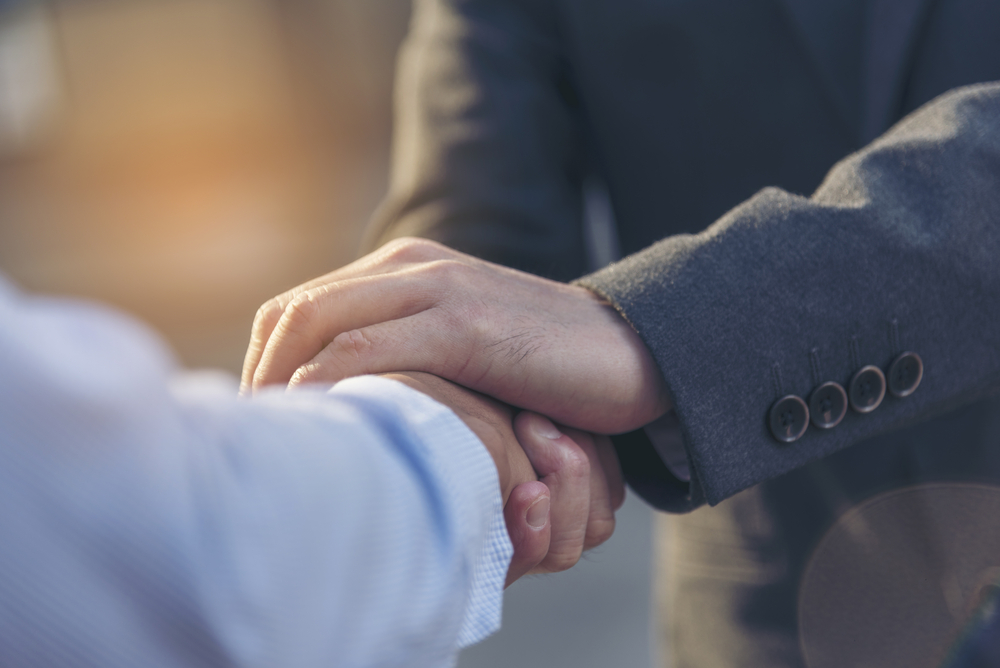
{"x": 549, "y": 347}
{"x": 490, "y": 420}
{"x": 550, "y": 522}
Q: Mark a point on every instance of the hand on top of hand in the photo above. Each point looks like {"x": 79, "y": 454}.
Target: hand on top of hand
{"x": 545, "y": 346}
{"x": 548, "y": 347}
{"x": 552, "y": 520}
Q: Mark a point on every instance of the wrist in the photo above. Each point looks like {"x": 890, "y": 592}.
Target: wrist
{"x": 487, "y": 419}
{"x": 644, "y": 385}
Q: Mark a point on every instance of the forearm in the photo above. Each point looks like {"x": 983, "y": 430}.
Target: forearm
{"x": 394, "y": 531}
{"x": 896, "y": 251}
{"x": 299, "y": 530}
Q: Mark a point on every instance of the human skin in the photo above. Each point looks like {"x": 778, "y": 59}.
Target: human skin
{"x": 571, "y": 507}
{"x": 549, "y": 347}
{"x": 555, "y": 349}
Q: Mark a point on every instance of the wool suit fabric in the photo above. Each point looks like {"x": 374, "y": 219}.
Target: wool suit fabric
{"x": 777, "y": 234}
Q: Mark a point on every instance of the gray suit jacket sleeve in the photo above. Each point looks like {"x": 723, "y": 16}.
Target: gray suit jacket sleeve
{"x": 899, "y": 249}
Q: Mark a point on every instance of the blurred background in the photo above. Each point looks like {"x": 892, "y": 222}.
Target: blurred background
{"x": 186, "y": 160}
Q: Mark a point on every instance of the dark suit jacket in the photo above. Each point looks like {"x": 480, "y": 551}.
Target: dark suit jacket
{"x": 685, "y": 109}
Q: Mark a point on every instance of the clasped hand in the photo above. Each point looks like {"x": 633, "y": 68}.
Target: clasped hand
{"x": 555, "y": 349}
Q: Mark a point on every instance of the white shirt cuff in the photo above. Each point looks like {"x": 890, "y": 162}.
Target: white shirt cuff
{"x": 470, "y": 479}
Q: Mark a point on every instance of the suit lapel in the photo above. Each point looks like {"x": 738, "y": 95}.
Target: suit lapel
{"x": 861, "y": 49}
{"x": 891, "y": 30}
{"x": 831, "y": 32}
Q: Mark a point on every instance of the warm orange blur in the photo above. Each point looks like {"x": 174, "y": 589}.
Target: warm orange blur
{"x": 187, "y": 159}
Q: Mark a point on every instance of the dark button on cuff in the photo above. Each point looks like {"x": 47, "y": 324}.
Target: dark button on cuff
{"x": 867, "y": 389}
{"x": 789, "y": 418}
{"x": 905, "y": 374}
{"x": 827, "y": 405}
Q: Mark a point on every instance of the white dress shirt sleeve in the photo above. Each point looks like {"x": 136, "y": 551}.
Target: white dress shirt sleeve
{"x": 145, "y": 522}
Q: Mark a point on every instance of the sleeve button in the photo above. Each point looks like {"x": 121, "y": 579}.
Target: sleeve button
{"x": 788, "y": 418}
{"x": 867, "y": 389}
{"x": 828, "y": 405}
{"x": 905, "y": 374}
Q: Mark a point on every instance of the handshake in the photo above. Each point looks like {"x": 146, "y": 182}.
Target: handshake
{"x": 483, "y": 340}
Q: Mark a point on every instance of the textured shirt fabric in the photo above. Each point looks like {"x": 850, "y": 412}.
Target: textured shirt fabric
{"x": 153, "y": 519}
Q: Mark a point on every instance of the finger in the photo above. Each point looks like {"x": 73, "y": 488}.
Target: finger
{"x": 612, "y": 469}
{"x": 601, "y": 518}
{"x": 565, "y": 469}
{"x": 415, "y": 343}
{"x": 316, "y": 317}
{"x": 527, "y": 517}
{"x": 263, "y": 324}
{"x": 391, "y": 257}
{"x": 394, "y": 256}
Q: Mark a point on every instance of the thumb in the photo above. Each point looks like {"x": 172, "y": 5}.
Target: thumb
{"x": 564, "y": 467}
{"x": 527, "y": 517}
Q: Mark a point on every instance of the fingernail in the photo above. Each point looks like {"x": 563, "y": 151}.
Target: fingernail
{"x": 545, "y": 428}
{"x": 538, "y": 514}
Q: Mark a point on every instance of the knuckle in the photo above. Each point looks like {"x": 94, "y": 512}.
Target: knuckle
{"x": 267, "y": 315}
{"x": 413, "y": 249}
{"x": 355, "y": 344}
{"x": 301, "y": 310}
{"x": 617, "y": 495}
{"x": 561, "y": 560}
{"x": 447, "y": 271}
{"x": 303, "y": 375}
{"x": 574, "y": 462}
{"x": 599, "y": 530}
